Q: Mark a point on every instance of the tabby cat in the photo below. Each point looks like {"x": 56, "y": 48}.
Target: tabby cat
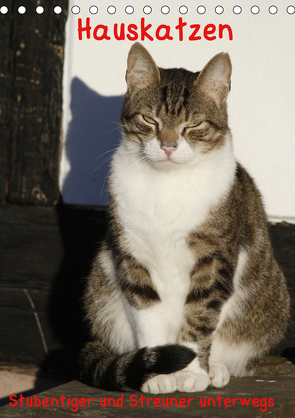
{"x": 185, "y": 290}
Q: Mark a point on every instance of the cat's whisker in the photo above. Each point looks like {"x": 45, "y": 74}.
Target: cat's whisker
{"x": 111, "y": 150}
{"x": 112, "y": 130}
{"x": 112, "y": 121}
{"x": 107, "y": 133}
{"x": 108, "y": 159}
{"x": 107, "y": 177}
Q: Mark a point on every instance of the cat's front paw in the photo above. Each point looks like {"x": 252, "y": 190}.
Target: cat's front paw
{"x": 192, "y": 382}
{"x": 163, "y": 383}
{"x": 218, "y": 374}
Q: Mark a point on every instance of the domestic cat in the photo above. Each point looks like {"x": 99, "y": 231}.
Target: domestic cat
{"x": 185, "y": 290}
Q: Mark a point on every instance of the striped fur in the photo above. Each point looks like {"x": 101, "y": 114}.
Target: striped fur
{"x": 185, "y": 290}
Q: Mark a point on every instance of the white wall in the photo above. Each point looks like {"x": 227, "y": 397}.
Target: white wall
{"x": 261, "y": 104}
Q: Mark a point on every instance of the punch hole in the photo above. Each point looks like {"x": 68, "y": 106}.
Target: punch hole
{"x": 183, "y": 10}
{"x": 290, "y": 10}
{"x": 93, "y": 10}
{"x": 75, "y": 10}
{"x": 129, "y": 10}
{"x": 273, "y": 10}
{"x": 39, "y": 10}
{"x": 111, "y": 10}
{"x": 237, "y": 10}
{"x": 57, "y": 10}
{"x": 165, "y": 10}
{"x": 219, "y": 10}
{"x": 201, "y": 10}
{"x": 4, "y": 10}
{"x": 22, "y": 10}
{"x": 255, "y": 10}
{"x": 147, "y": 10}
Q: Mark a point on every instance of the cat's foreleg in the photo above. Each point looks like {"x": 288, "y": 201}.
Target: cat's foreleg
{"x": 149, "y": 320}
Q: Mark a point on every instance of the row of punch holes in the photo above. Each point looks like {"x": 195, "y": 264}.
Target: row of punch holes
{"x": 148, "y": 10}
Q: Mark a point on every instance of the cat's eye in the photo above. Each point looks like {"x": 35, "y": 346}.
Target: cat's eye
{"x": 193, "y": 125}
{"x": 149, "y": 120}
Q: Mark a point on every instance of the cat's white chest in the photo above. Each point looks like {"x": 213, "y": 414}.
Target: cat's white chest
{"x": 156, "y": 229}
{"x": 157, "y": 211}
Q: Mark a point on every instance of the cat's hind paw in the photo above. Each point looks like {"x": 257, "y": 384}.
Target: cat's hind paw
{"x": 218, "y": 374}
{"x": 191, "y": 382}
{"x": 163, "y": 383}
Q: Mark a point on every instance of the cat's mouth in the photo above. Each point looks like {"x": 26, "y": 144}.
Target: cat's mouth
{"x": 166, "y": 163}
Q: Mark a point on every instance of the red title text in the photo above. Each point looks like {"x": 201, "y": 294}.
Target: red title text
{"x": 146, "y": 31}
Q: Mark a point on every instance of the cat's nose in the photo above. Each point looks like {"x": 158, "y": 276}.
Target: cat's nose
{"x": 168, "y": 149}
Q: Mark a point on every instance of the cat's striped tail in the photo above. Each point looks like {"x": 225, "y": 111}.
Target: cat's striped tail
{"x": 128, "y": 372}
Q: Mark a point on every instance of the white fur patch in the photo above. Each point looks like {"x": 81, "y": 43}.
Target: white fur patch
{"x": 235, "y": 357}
{"x": 157, "y": 325}
{"x": 234, "y": 306}
{"x": 108, "y": 265}
{"x": 122, "y": 338}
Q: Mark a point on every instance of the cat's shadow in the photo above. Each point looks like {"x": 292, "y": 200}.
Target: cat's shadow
{"x": 93, "y": 133}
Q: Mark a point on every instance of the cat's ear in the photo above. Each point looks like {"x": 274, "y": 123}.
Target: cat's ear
{"x": 141, "y": 68}
{"x": 214, "y": 79}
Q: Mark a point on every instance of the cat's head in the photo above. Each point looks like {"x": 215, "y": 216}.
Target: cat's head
{"x": 175, "y": 115}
